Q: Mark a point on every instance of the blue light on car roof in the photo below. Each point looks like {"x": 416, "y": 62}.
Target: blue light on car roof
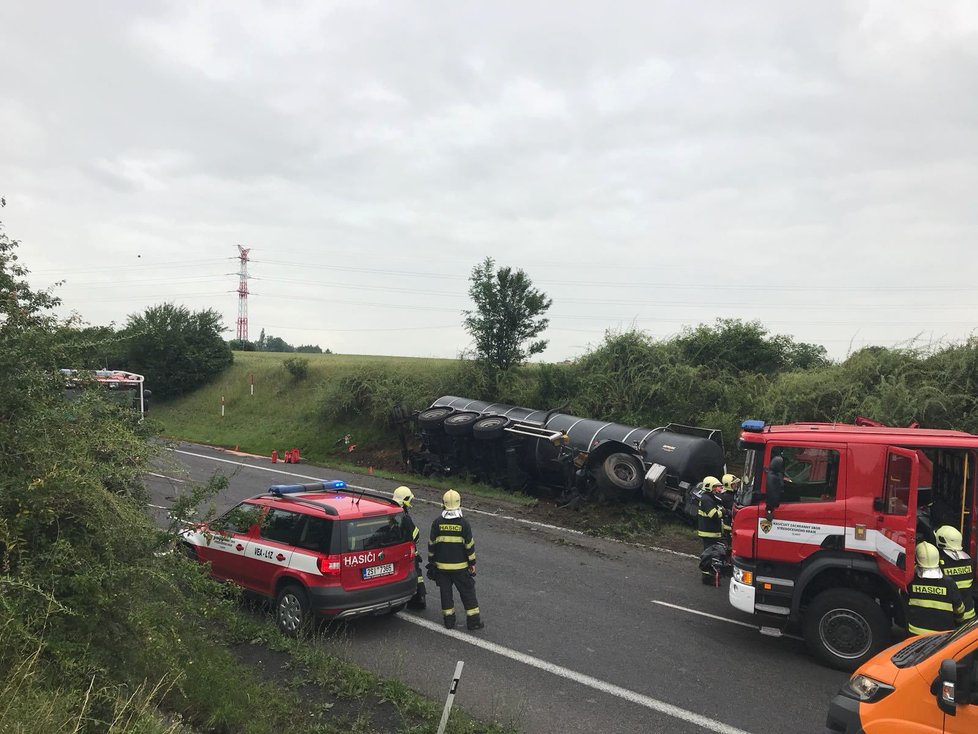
{"x": 753, "y": 426}
{"x": 281, "y": 489}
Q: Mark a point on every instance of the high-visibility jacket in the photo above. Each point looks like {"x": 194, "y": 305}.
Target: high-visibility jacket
{"x": 709, "y": 516}
{"x": 415, "y": 533}
{"x": 962, "y": 572}
{"x": 450, "y": 544}
{"x": 933, "y": 605}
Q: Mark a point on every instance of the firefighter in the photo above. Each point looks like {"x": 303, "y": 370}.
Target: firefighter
{"x": 710, "y": 520}
{"x": 404, "y": 496}
{"x": 451, "y": 562}
{"x": 933, "y": 600}
{"x": 957, "y": 564}
{"x": 730, "y": 486}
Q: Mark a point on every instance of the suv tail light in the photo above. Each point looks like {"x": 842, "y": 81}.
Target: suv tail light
{"x": 329, "y": 565}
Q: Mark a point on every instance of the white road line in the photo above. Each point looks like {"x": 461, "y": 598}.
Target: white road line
{"x": 721, "y": 619}
{"x": 163, "y": 476}
{"x": 356, "y": 486}
{"x": 586, "y": 680}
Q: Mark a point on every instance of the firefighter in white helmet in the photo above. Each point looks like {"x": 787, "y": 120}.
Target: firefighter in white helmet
{"x": 404, "y": 496}
{"x": 451, "y": 562}
{"x": 933, "y": 600}
{"x": 956, "y": 564}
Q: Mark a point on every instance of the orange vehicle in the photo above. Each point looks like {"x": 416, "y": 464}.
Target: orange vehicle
{"x": 923, "y": 685}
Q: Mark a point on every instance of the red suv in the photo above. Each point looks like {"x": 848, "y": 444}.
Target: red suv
{"x": 315, "y": 549}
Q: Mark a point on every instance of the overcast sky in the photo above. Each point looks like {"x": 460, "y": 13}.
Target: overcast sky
{"x": 652, "y": 165}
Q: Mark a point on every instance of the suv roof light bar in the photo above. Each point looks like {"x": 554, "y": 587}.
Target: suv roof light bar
{"x": 323, "y": 486}
{"x": 753, "y": 426}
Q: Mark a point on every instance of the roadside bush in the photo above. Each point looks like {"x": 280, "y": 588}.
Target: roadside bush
{"x": 298, "y": 367}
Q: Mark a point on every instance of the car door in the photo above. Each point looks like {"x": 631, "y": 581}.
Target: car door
{"x": 896, "y": 516}
{"x": 225, "y": 540}
{"x": 270, "y": 549}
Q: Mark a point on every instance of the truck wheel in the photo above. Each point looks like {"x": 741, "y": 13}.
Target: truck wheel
{"x": 292, "y": 610}
{"x": 844, "y": 628}
{"x": 624, "y": 472}
{"x": 490, "y": 427}
{"x": 433, "y": 417}
{"x": 460, "y": 424}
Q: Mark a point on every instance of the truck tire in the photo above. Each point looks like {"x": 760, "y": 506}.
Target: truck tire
{"x": 292, "y": 613}
{"x": 460, "y": 424}
{"x": 433, "y": 418}
{"x": 489, "y": 427}
{"x": 844, "y": 628}
{"x": 623, "y": 472}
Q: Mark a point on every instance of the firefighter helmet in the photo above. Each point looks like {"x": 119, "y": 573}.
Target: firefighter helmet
{"x": 403, "y": 496}
{"x": 452, "y": 500}
{"x": 948, "y": 538}
{"x": 927, "y": 556}
{"x": 729, "y": 482}
{"x": 712, "y": 484}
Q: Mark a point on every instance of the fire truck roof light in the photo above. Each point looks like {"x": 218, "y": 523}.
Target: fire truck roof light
{"x": 753, "y": 426}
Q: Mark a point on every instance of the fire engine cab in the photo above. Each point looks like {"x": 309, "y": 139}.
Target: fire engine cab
{"x": 826, "y": 521}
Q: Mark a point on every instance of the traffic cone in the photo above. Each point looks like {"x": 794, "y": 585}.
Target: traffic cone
{"x": 295, "y": 456}
{"x": 370, "y": 470}
{"x": 274, "y": 456}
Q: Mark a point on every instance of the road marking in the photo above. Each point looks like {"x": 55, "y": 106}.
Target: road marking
{"x": 718, "y": 618}
{"x": 356, "y": 486}
{"x": 163, "y": 476}
{"x": 586, "y": 680}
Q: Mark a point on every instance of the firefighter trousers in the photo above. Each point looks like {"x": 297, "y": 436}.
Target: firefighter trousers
{"x": 465, "y": 583}
{"x": 418, "y": 600}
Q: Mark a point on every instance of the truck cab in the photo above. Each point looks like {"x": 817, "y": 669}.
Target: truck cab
{"x": 826, "y": 523}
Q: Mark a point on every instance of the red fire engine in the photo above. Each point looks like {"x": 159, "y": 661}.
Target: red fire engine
{"x": 833, "y": 554}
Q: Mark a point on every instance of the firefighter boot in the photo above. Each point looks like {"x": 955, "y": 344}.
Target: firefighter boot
{"x": 448, "y": 618}
{"x": 474, "y": 621}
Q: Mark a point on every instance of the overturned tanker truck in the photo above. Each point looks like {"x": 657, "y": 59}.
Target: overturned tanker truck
{"x": 572, "y": 458}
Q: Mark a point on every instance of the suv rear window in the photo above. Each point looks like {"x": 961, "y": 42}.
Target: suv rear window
{"x": 376, "y": 532}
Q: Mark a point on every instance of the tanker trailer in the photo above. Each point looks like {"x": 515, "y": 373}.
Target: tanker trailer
{"x": 575, "y": 458}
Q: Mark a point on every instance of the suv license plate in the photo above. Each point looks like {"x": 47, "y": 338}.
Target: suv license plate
{"x": 374, "y": 571}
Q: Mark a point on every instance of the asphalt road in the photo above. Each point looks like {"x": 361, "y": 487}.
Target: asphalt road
{"x": 582, "y": 634}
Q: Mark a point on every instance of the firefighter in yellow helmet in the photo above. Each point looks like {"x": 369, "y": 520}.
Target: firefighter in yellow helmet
{"x": 957, "y": 564}
{"x": 451, "y": 562}
{"x": 710, "y": 519}
{"x": 404, "y": 496}
{"x": 933, "y": 600}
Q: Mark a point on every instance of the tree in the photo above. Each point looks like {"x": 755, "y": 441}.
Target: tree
{"x": 309, "y": 349}
{"x": 277, "y": 344}
{"x": 176, "y": 350}
{"x": 508, "y": 313}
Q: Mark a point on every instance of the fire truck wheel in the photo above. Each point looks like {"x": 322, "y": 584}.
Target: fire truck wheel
{"x": 460, "y": 424}
{"x": 433, "y": 417}
{"x": 623, "y": 472}
{"x": 292, "y": 610}
{"x": 844, "y": 628}
{"x": 490, "y": 427}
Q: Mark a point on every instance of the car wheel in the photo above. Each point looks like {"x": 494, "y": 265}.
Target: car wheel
{"x": 623, "y": 472}
{"x": 460, "y": 424}
{"x": 292, "y": 610}
{"x": 433, "y": 417}
{"x": 490, "y": 427}
{"x": 844, "y": 628}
